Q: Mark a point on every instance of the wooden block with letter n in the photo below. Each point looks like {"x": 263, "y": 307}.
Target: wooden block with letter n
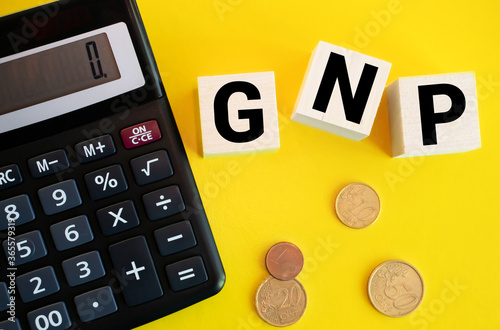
{"x": 238, "y": 113}
{"x": 434, "y": 114}
{"x": 341, "y": 91}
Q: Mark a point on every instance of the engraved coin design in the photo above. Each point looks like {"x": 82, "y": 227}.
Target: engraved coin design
{"x": 281, "y": 303}
{"x": 357, "y": 205}
{"x": 284, "y": 261}
{"x": 395, "y": 288}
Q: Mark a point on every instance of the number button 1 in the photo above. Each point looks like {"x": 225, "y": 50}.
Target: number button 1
{"x": 59, "y": 197}
{"x": 37, "y": 284}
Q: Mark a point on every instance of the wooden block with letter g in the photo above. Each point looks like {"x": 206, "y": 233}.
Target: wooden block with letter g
{"x": 341, "y": 91}
{"x": 238, "y": 113}
{"x": 434, "y": 114}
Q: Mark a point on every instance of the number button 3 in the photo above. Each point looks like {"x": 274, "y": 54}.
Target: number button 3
{"x": 83, "y": 268}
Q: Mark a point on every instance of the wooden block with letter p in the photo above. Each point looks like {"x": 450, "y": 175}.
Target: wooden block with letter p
{"x": 238, "y": 113}
{"x": 434, "y": 114}
{"x": 341, "y": 91}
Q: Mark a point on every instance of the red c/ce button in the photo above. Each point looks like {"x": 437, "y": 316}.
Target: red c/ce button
{"x": 140, "y": 134}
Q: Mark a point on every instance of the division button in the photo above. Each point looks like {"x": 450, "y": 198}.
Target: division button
{"x": 163, "y": 203}
{"x": 136, "y": 272}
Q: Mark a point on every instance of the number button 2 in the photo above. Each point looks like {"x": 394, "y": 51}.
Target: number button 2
{"x": 59, "y": 197}
{"x": 37, "y": 284}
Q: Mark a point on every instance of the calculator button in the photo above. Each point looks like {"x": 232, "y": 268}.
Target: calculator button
{"x": 50, "y": 317}
{"x": 48, "y": 163}
{"x": 37, "y": 284}
{"x": 59, "y": 197}
{"x": 28, "y": 247}
{"x": 95, "y": 304}
{"x": 72, "y": 232}
{"x": 117, "y": 218}
{"x": 95, "y": 149}
{"x": 138, "y": 278}
{"x": 16, "y": 211}
{"x": 175, "y": 238}
{"x": 83, "y": 268}
{"x": 140, "y": 134}
{"x": 10, "y": 176}
{"x": 151, "y": 167}
{"x": 186, "y": 273}
{"x": 106, "y": 182}
{"x": 163, "y": 203}
{"x": 9, "y": 325}
{"x": 4, "y": 297}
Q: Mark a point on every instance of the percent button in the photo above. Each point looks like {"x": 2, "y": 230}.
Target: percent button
{"x": 106, "y": 182}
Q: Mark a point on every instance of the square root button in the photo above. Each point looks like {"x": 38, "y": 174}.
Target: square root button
{"x": 140, "y": 134}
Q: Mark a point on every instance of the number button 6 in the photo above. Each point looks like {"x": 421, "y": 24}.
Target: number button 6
{"x": 71, "y": 233}
{"x": 59, "y": 197}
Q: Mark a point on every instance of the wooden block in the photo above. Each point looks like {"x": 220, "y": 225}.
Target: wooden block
{"x": 341, "y": 91}
{"x": 435, "y": 114}
{"x": 238, "y": 113}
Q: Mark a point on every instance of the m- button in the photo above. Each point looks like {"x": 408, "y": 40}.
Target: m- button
{"x": 48, "y": 163}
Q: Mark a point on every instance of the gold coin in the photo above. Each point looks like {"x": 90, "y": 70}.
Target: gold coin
{"x": 281, "y": 303}
{"x": 395, "y": 288}
{"x": 357, "y": 205}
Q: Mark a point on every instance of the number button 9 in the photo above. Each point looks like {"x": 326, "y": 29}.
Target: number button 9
{"x": 70, "y": 233}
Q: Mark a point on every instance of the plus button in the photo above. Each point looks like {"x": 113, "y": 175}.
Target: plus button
{"x": 100, "y": 147}
{"x": 135, "y": 271}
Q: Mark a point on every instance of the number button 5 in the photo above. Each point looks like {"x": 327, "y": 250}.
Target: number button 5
{"x": 71, "y": 233}
{"x": 83, "y": 268}
{"x": 25, "y": 248}
{"x": 59, "y": 197}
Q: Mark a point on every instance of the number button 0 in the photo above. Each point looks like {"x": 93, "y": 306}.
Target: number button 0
{"x": 54, "y": 316}
{"x": 37, "y": 284}
{"x": 27, "y": 247}
{"x": 71, "y": 233}
{"x": 59, "y": 197}
{"x": 83, "y": 268}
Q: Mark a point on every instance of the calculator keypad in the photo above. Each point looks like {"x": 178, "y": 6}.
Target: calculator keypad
{"x": 120, "y": 228}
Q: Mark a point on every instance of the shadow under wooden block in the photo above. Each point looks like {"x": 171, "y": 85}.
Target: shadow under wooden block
{"x": 238, "y": 113}
{"x": 341, "y": 91}
{"x": 434, "y": 114}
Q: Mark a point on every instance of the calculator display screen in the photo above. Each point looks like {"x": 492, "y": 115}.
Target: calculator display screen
{"x": 56, "y": 72}
{"x": 67, "y": 75}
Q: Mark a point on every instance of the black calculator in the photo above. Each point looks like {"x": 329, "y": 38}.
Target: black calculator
{"x": 101, "y": 222}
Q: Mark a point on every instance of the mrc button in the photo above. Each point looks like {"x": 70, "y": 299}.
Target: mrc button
{"x": 140, "y": 134}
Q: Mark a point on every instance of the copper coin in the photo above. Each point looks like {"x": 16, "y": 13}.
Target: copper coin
{"x": 395, "y": 288}
{"x": 284, "y": 261}
{"x": 281, "y": 303}
{"x": 357, "y": 205}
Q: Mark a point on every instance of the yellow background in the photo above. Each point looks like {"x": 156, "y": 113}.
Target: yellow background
{"x": 440, "y": 213}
